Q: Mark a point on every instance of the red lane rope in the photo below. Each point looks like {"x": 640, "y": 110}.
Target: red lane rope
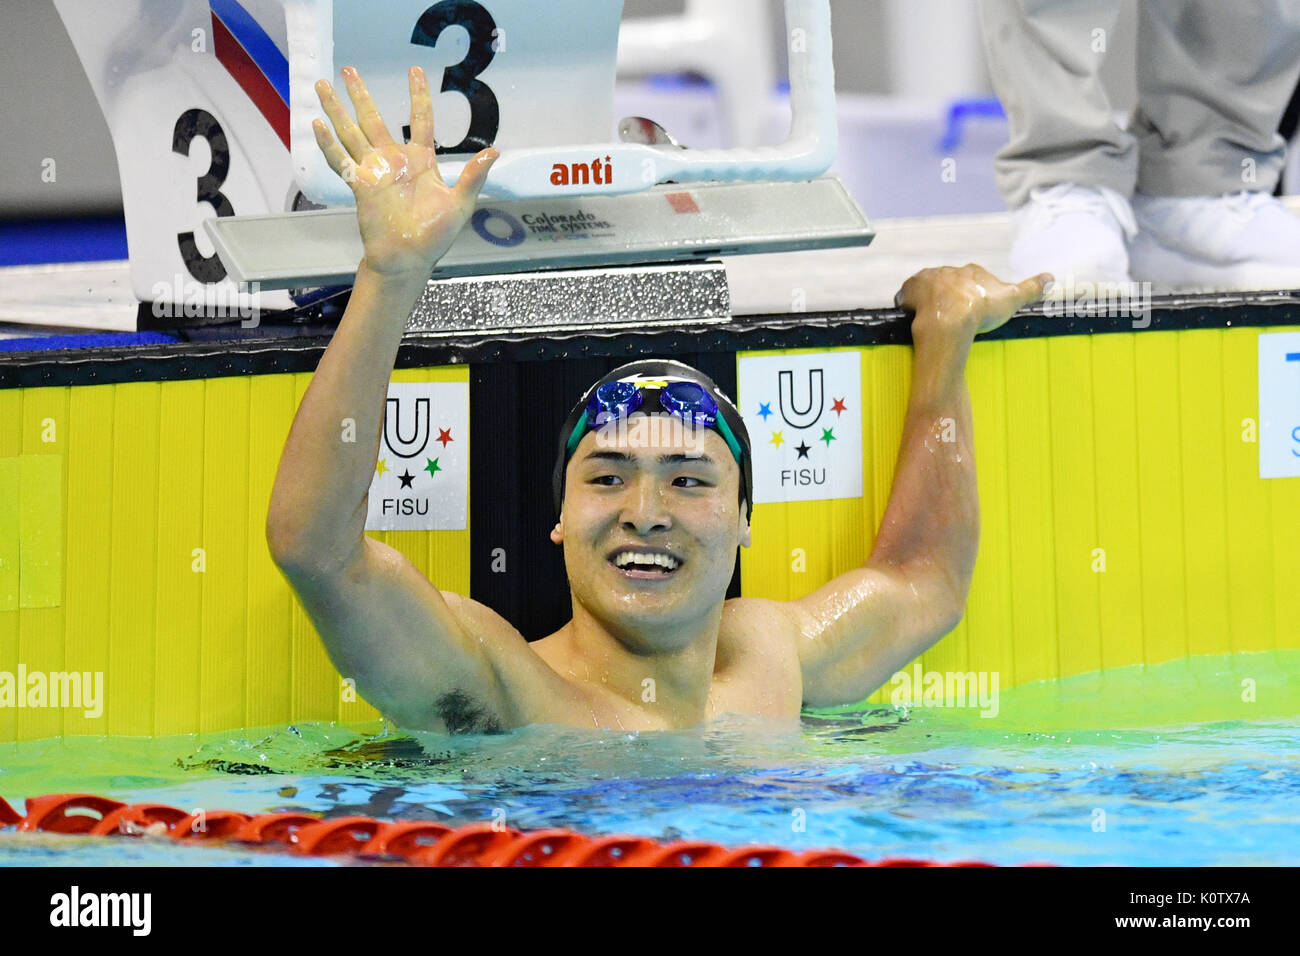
{"x": 415, "y": 842}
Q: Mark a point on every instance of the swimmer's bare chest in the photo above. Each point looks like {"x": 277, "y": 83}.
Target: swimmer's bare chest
{"x": 756, "y": 673}
{"x": 756, "y": 670}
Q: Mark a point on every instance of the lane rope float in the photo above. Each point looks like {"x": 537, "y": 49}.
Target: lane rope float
{"x": 413, "y": 842}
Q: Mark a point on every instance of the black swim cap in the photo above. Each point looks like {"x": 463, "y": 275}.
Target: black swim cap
{"x": 673, "y": 371}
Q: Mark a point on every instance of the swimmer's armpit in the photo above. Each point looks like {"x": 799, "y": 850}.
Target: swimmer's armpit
{"x": 463, "y": 715}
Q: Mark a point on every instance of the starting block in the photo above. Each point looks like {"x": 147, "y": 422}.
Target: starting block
{"x": 212, "y": 114}
{"x": 663, "y": 224}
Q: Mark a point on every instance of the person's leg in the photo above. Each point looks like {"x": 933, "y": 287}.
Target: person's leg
{"x": 1045, "y": 59}
{"x": 1213, "y": 81}
{"x": 1287, "y": 130}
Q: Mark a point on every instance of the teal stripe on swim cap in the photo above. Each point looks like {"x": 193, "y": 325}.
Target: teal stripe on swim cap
{"x": 575, "y": 438}
{"x": 725, "y": 430}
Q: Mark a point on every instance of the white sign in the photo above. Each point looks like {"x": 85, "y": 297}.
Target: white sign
{"x": 421, "y": 479}
{"x": 805, "y": 425}
{"x": 195, "y": 96}
{"x": 1279, "y": 405}
{"x": 504, "y": 73}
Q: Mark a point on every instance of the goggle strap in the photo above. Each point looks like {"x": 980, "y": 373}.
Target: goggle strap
{"x": 725, "y": 430}
{"x": 575, "y": 438}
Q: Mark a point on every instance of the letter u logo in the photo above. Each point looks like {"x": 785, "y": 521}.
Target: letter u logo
{"x": 802, "y": 414}
{"x": 396, "y": 430}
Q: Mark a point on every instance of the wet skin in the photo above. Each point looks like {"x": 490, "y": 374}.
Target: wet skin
{"x": 645, "y": 649}
{"x": 657, "y": 647}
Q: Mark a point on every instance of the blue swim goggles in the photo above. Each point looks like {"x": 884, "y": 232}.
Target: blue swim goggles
{"x": 686, "y": 400}
{"x": 649, "y": 386}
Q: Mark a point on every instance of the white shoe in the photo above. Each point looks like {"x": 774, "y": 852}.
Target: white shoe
{"x": 1077, "y": 233}
{"x": 1245, "y": 240}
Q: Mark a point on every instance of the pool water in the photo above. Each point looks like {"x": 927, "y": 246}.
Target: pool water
{"x": 1194, "y": 762}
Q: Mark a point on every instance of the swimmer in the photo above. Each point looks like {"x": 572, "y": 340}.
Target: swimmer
{"x": 649, "y": 519}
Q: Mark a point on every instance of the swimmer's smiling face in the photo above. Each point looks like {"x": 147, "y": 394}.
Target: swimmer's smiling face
{"x": 650, "y": 523}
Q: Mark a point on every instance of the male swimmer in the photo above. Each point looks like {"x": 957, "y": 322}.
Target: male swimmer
{"x": 649, "y": 519}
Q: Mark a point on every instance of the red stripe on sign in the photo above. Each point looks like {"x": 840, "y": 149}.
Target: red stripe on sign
{"x": 683, "y": 202}
{"x": 232, "y": 55}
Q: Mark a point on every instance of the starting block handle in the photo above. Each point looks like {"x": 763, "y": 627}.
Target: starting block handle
{"x": 619, "y": 168}
{"x": 808, "y": 152}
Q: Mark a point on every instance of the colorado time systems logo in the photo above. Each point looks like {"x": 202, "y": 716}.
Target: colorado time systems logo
{"x": 805, "y": 425}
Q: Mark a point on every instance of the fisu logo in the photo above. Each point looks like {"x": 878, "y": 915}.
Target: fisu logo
{"x": 419, "y": 429}
{"x": 806, "y": 413}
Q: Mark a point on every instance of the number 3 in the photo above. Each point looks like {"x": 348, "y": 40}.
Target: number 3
{"x": 200, "y": 124}
{"x": 485, "y": 114}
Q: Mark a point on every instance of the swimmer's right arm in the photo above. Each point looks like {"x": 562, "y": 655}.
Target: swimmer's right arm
{"x": 406, "y": 645}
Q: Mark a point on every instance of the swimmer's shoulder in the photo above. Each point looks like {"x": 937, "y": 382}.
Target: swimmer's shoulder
{"x": 778, "y": 618}
{"x": 536, "y": 691}
{"x": 760, "y": 625}
{"x": 478, "y": 620}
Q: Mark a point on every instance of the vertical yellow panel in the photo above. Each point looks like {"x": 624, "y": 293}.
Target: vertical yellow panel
{"x": 1074, "y": 503}
{"x": 1160, "y": 498}
{"x": 758, "y": 563}
{"x": 10, "y": 525}
{"x": 11, "y": 446}
{"x": 871, "y": 507}
{"x": 132, "y": 551}
{"x": 40, "y": 627}
{"x": 852, "y": 527}
{"x": 11, "y": 422}
{"x": 316, "y": 688}
{"x": 180, "y": 531}
{"x": 1285, "y": 508}
{"x": 90, "y": 442}
{"x": 1114, "y": 397}
{"x": 270, "y": 601}
{"x": 40, "y": 531}
{"x": 1200, "y": 391}
{"x": 1029, "y": 483}
{"x": 223, "y": 649}
{"x": 988, "y": 610}
{"x": 1249, "y": 566}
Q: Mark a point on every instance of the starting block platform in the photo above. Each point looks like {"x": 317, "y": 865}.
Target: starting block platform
{"x": 227, "y": 87}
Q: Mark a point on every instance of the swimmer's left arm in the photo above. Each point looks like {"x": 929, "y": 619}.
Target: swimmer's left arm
{"x": 863, "y": 626}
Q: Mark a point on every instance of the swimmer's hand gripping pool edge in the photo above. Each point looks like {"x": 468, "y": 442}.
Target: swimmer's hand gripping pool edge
{"x": 867, "y": 624}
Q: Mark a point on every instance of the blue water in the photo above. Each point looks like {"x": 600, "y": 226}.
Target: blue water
{"x": 1025, "y": 786}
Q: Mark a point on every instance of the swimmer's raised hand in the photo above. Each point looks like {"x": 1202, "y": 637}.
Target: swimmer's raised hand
{"x": 407, "y": 215}
{"x": 965, "y": 301}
